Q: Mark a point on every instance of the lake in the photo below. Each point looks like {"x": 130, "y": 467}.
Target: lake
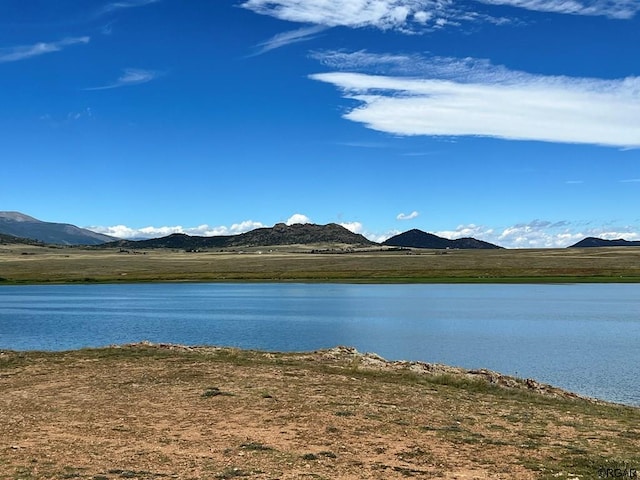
{"x": 580, "y": 337}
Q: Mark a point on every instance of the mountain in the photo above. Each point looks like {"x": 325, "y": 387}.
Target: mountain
{"x": 20, "y": 225}
{"x": 307, "y": 233}
{"x": 279, "y": 234}
{"x": 418, "y": 239}
{"x": 600, "y": 242}
{"x": 11, "y": 240}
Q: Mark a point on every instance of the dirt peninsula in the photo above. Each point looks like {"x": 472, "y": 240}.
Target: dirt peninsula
{"x": 174, "y": 412}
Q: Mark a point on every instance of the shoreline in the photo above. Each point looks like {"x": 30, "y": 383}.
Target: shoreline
{"x": 374, "y": 362}
{"x": 551, "y": 280}
{"x": 367, "y": 361}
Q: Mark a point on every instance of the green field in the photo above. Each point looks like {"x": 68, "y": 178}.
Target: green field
{"x": 46, "y": 264}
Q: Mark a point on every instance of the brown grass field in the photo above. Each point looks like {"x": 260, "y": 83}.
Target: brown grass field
{"x": 152, "y": 412}
{"x": 32, "y": 264}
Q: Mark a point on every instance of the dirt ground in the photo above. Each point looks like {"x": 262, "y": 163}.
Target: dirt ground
{"x": 155, "y": 412}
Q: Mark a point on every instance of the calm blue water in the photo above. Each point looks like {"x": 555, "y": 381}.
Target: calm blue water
{"x": 580, "y": 337}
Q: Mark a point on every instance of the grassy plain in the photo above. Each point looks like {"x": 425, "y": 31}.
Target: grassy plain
{"x": 34, "y": 264}
{"x": 167, "y": 412}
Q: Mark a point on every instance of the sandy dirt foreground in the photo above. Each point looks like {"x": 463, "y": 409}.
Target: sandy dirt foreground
{"x": 156, "y": 412}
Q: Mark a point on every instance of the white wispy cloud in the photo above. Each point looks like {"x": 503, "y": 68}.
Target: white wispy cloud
{"x": 466, "y": 69}
{"x": 408, "y": 16}
{"x": 298, "y": 218}
{"x": 287, "y": 38}
{"x": 57, "y": 120}
{"x": 23, "y": 52}
{"x": 114, "y": 6}
{"x": 381, "y": 237}
{"x": 107, "y": 29}
{"x": 541, "y": 233}
{"x": 123, "y": 231}
{"x": 479, "y": 232}
{"x": 77, "y": 115}
{"x": 130, "y": 76}
{"x": 545, "y": 234}
{"x": 410, "y": 216}
{"x": 471, "y": 97}
{"x": 619, "y": 9}
{"x": 332, "y": 13}
{"x": 359, "y": 144}
{"x": 355, "y": 227}
{"x": 424, "y": 15}
{"x": 358, "y": 227}
{"x": 628, "y": 233}
{"x": 537, "y": 234}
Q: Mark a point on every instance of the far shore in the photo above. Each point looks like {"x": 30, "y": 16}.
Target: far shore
{"x": 24, "y": 264}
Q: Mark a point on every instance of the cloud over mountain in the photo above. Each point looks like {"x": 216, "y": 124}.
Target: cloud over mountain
{"x": 297, "y": 218}
{"x": 123, "y": 231}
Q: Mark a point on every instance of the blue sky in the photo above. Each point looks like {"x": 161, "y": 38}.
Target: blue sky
{"x": 513, "y": 121}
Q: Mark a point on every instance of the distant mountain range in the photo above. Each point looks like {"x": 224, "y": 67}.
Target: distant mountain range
{"x": 279, "y": 234}
{"x": 301, "y": 234}
{"x": 17, "y": 227}
{"x": 600, "y": 242}
{"x": 23, "y": 226}
{"x": 20, "y": 225}
{"x": 418, "y": 239}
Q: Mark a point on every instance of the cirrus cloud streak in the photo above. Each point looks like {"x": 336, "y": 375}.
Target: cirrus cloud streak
{"x": 412, "y": 16}
{"x": 114, "y": 6}
{"x": 468, "y": 97}
{"x": 130, "y": 76}
{"x": 287, "y": 38}
{"x": 23, "y": 52}
{"x": 619, "y": 9}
